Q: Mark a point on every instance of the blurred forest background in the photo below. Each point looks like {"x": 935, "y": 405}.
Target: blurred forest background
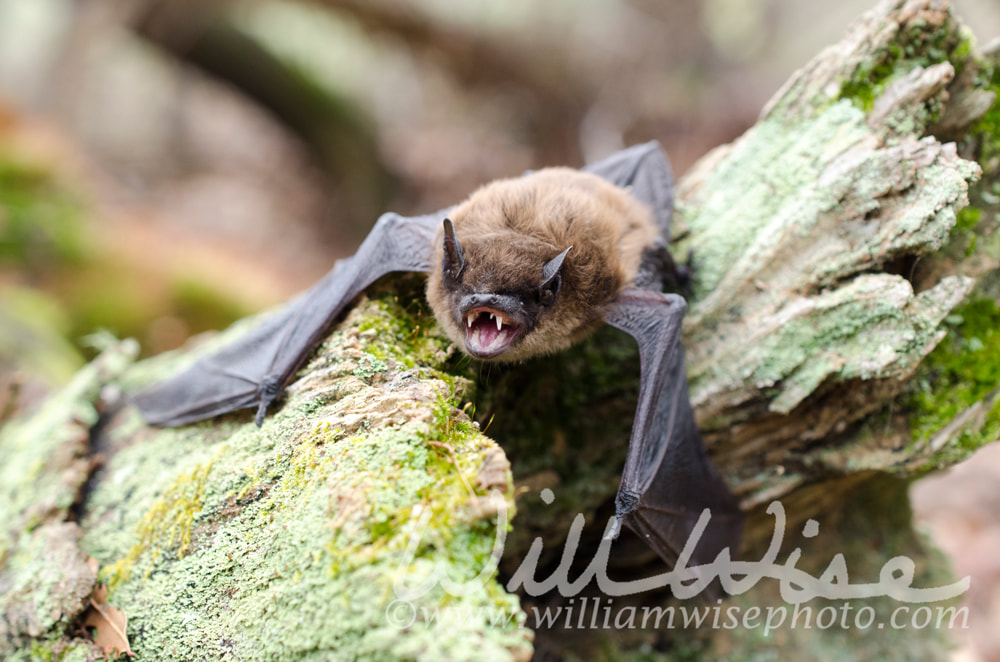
{"x": 168, "y": 167}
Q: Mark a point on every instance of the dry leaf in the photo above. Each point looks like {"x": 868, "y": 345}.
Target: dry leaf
{"x": 109, "y": 623}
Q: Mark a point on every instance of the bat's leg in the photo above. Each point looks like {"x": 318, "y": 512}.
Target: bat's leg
{"x": 656, "y": 267}
{"x": 668, "y": 480}
{"x": 682, "y": 272}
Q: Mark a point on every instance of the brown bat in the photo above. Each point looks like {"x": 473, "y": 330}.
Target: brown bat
{"x": 541, "y": 257}
{"x": 527, "y": 266}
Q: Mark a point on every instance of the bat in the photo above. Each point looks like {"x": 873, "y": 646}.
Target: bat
{"x": 523, "y": 267}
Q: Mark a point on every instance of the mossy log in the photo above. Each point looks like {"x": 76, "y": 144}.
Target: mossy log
{"x": 843, "y": 337}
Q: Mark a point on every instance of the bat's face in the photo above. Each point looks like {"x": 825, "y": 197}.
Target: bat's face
{"x": 529, "y": 263}
{"x": 496, "y": 308}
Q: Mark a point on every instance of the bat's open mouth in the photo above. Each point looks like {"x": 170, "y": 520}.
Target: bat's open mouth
{"x": 489, "y": 332}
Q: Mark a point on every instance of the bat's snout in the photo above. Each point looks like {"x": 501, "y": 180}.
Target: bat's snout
{"x": 492, "y": 323}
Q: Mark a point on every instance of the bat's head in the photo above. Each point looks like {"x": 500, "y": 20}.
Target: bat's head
{"x": 528, "y": 264}
{"x": 496, "y": 308}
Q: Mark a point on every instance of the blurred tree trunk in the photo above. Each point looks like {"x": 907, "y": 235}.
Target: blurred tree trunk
{"x": 333, "y": 127}
{"x": 205, "y": 35}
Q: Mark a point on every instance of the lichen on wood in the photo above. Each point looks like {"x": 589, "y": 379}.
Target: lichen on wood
{"x": 47, "y": 459}
{"x": 222, "y": 537}
{"x": 826, "y": 234}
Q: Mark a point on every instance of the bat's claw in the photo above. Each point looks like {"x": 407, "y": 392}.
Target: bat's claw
{"x": 261, "y": 411}
{"x": 614, "y": 529}
{"x": 270, "y": 387}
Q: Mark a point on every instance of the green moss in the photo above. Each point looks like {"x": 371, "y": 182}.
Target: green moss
{"x": 964, "y": 231}
{"x": 41, "y": 653}
{"x": 869, "y": 79}
{"x": 966, "y": 220}
{"x": 442, "y": 483}
{"x": 771, "y": 170}
{"x": 916, "y": 45}
{"x": 402, "y": 328}
{"x": 448, "y": 428}
{"x": 963, "y": 370}
{"x": 962, "y": 53}
{"x": 39, "y": 477}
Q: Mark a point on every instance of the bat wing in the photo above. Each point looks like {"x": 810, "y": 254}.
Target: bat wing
{"x": 252, "y": 371}
{"x": 645, "y": 171}
{"x": 668, "y": 480}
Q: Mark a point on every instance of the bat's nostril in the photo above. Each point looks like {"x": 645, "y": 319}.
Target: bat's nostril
{"x": 494, "y": 300}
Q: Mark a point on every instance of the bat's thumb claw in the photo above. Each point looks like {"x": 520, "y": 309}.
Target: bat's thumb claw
{"x": 625, "y": 502}
{"x": 614, "y": 529}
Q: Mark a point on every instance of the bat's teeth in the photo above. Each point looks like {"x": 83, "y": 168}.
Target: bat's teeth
{"x": 499, "y": 324}
{"x": 470, "y": 319}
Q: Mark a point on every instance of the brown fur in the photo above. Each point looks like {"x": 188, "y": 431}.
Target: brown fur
{"x": 510, "y": 228}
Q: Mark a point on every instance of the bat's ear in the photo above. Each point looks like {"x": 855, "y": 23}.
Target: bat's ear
{"x": 454, "y": 261}
{"x": 551, "y": 278}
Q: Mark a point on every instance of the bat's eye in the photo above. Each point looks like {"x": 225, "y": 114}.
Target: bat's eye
{"x": 551, "y": 279}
